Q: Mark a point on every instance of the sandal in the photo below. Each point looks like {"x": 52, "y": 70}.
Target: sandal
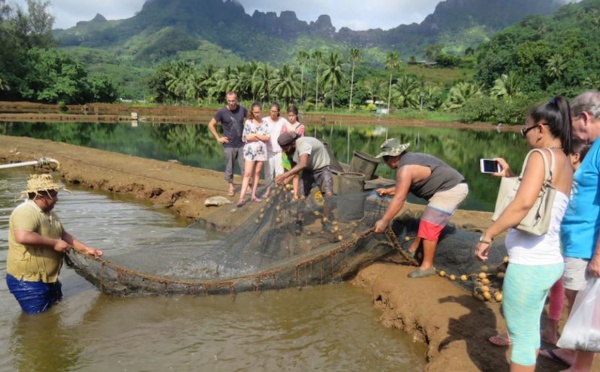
{"x": 501, "y": 339}
{"x": 552, "y": 355}
{"x": 231, "y": 193}
{"x": 240, "y": 203}
{"x": 256, "y": 200}
{"x": 418, "y": 273}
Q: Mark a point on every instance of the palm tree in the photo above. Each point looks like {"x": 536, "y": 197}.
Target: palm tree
{"x": 375, "y": 88}
{"x": 224, "y": 79}
{"x": 355, "y": 56}
{"x": 207, "y": 81}
{"x": 333, "y": 75}
{"x": 460, "y": 93}
{"x": 182, "y": 81}
{"x": 302, "y": 58}
{"x": 264, "y": 80}
{"x": 287, "y": 86}
{"x": 506, "y": 86}
{"x": 317, "y": 55}
{"x": 407, "y": 91}
{"x": 555, "y": 66}
{"x": 392, "y": 62}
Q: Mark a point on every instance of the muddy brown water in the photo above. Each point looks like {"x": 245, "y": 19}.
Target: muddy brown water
{"x": 332, "y": 327}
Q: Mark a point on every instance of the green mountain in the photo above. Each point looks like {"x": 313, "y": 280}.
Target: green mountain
{"x": 165, "y": 28}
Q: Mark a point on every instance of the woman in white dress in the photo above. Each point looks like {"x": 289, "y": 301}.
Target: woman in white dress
{"x": 256, "y": 134}
{"x": 273, "y": 165}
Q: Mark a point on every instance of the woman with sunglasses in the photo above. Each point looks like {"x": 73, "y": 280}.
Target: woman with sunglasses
{"x": 536, "y": 262}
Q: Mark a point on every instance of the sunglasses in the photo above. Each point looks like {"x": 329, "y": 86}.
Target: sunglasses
{"x": 525, "y": 130}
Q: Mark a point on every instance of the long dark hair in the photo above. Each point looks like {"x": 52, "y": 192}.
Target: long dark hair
{"x": 556, "y": 114}
{"x": 251, "y": 113}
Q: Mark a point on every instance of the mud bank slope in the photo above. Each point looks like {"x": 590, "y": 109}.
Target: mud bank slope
{"x": 453, "y": 324}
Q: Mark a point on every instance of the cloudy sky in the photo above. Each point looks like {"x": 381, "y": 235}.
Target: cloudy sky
{"x": 355, "y": 14}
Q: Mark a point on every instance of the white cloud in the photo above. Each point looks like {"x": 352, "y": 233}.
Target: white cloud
{"x": 355, "y": 14}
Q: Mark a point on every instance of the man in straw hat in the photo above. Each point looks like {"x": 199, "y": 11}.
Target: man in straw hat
{"x": 37, "y": 243}
{"x": 429, "y": 178}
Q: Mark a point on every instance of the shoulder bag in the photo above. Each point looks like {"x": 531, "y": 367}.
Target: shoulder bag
{"x": 537, "y": 220}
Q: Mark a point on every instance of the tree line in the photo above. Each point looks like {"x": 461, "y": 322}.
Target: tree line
{"x": 537, "y": 58}
{"x": 32, "y": 69}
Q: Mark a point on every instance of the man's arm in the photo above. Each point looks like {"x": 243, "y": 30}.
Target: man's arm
{"x": 403, "y": 182}
{"x": 213, "y": 129}
{"x": 287, "y": 176}
{"x": 34, "y": 239}
{"x": 80, "y": 246}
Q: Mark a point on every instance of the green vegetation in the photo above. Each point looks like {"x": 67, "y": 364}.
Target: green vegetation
{"x": 471, "y": 72}
{"x": 31, "y": 69}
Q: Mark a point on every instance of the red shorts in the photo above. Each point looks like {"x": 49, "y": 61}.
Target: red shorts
{"x": 432, "y": 223}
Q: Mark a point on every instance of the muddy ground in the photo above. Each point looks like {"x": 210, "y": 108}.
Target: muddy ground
{"x": 453, "y": 324}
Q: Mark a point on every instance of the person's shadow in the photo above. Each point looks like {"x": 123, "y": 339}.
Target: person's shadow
{"x": 474, "y": 328}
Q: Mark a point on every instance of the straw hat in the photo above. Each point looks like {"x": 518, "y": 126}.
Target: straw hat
{"x": 40, "y": 182}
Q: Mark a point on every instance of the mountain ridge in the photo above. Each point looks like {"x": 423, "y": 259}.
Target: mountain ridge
{"x": 226, "y": 24}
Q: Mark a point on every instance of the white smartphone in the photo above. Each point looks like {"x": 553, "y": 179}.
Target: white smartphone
{"x": 489, "y": 166}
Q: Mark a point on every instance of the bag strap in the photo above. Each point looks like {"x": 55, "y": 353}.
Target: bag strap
{"x": 548, "y": 170}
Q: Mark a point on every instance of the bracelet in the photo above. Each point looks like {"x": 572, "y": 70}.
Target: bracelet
{"x": 481, "y": 240}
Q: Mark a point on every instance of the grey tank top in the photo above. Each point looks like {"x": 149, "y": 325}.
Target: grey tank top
{"x": 442, "y": 177}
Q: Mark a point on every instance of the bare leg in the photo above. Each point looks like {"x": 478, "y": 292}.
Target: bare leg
{"x": 514, "y": 367}
{"x": 583, "y": 362}
{"x": 257, "y": 169}
{"x": 415, "y": 245}
{"x": 248, "y": 167}
{"x": 429, "y": 247}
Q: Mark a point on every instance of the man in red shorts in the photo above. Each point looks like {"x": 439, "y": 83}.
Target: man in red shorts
{"x": 429, "y": 178}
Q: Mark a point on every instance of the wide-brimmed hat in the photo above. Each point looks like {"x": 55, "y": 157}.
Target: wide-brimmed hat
{"x": 392, "y": 147}
{"x": 287, "y": 138}
{"x": 41, "y": 182}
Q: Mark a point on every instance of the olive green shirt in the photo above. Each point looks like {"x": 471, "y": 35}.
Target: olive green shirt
{"x": 33, "y": 264}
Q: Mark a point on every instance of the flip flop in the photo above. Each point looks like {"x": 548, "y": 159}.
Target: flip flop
{"x": 240, "y": 203}
{"x": 551, "y": 354}
{"x": 502, "y": 339}
{"x": 418, "y": 273}
{"x": 231, "y": 193}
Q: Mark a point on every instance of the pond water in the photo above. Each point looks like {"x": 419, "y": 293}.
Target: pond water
{"x": 330, "y": 327}
{"x": 194, "y": 145}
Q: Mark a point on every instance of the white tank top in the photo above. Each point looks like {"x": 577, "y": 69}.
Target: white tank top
{"x": 527, "y": 249}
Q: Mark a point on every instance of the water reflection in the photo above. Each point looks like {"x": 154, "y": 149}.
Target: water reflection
{"x": 330, "y": 327}
{"x": 194, "y": 145}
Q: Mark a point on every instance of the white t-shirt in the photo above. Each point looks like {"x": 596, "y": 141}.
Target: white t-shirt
{"x": 276, "y": 127}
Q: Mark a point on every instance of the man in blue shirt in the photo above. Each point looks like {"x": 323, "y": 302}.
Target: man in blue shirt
{"x": 581, "y": 224}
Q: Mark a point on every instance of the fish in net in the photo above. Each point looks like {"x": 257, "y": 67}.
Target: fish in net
{"x": 285, "y": 243}
{"x": 273, "y": 250}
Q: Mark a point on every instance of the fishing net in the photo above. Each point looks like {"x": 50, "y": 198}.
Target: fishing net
{"x": 455, "y": 257}
{"x": 285, "y": 243}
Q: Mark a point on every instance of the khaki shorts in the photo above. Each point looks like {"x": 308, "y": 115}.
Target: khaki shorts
{"x": 575, "y": 275}
{"x": 449, "y": 200}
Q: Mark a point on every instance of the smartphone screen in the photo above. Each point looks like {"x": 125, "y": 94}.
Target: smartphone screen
{"x": 489, "y": 166}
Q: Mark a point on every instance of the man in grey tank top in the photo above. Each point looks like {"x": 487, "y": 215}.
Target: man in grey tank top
{"x": 429, "y": 178}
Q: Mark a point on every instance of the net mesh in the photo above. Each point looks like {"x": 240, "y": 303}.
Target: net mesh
{"x": 285, "y": 243}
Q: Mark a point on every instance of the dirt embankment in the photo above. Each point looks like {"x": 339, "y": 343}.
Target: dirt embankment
{"x": 453, "y": 324}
